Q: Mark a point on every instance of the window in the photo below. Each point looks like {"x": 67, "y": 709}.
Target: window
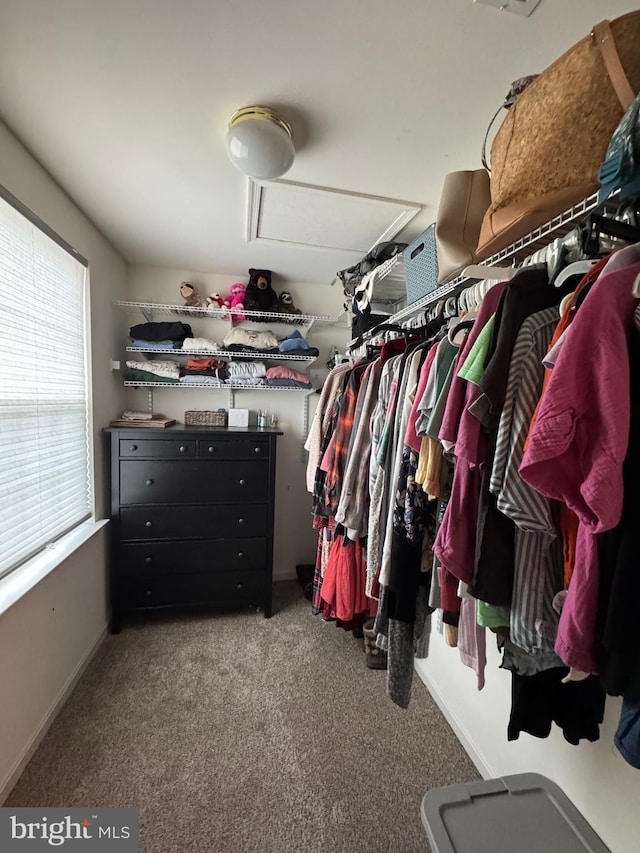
{"x": 45, "y": 460}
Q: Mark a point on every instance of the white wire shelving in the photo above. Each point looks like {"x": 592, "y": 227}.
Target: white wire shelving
{"x": 515, "y": 253}
{"x": 152, "y": 310}
{"x": 223, "y": 386}
{"x": 227, "y": 355}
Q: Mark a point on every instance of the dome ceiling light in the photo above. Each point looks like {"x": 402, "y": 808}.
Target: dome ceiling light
{"x": 259, "y": 143}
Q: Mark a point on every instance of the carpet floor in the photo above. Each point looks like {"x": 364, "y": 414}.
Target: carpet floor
{"x": 238, "y": 734}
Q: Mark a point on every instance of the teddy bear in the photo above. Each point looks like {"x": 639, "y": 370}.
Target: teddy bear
{"x": 191, "y": 296}
{"x": 216, "y": 301}
{"x": 235, "y": 301}
{"x": 260, "y": 295}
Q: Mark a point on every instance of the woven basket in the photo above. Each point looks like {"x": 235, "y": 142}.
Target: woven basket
{"x": 197, "y": 418}
{"x": 546, "y": 155}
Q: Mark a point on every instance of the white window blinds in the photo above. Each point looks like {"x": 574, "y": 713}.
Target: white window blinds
{"x": 45, "y": 472}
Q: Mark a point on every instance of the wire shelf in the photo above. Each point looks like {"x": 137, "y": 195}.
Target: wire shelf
{"x": 537, "y": 239}
{"x": 226, "y": 354}
{"x": 148, "y": 309}
{"x": 224, "y": 386}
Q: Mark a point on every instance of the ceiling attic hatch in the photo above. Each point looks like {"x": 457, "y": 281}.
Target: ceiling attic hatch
{"x": 518, "y": 7}
{"x": 294, "y": 214}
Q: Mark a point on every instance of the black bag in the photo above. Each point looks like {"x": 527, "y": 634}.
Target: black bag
{"x": 365, "y": 322}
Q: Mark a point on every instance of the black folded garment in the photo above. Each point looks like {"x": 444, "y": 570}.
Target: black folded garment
{"x": 161, "y": 332}
{"x": 219, "y": 372}
{"x": 246, "y": 348}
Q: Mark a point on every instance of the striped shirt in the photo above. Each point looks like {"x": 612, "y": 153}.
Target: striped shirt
{"x": 538, "y": 569}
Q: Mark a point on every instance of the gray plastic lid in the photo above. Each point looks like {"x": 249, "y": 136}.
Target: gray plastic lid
{"x": 526, "y": 813}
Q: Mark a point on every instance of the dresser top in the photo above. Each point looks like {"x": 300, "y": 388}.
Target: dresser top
{"x": 182, "y": 430}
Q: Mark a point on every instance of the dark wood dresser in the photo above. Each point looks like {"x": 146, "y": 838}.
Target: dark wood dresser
{"x": 192, "y": 517}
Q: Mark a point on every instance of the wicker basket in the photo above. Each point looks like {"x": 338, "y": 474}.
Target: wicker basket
{"x": 197, "y": 418}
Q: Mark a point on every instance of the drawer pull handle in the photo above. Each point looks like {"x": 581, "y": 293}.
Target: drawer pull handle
{"x": 147, "y": 593}
{"x": 239, "y": 586}
{"x": 241, "y": 482}
{"x": 241, "y": 521}
{"x": 149, "y": 482}
{"x": 240, "y": 554}
{"x": 212, "y": 450}
{"x": 133, "y": 447}
{"x": 148, "y": 524}
{"x": 257, "y": 450}
{"x": 148, "y": 559}
{"x": 183, "y": 449}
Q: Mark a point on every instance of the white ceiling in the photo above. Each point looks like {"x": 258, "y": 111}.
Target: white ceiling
{"x": 125, "y": 103}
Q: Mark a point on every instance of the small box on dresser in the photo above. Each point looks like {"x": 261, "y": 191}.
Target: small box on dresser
{"x": 192, "y": 513}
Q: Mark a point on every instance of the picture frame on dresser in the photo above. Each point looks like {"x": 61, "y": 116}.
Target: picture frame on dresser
{"x": 192, "y": 518}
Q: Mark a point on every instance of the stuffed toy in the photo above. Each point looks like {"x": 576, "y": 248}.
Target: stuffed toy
{"x": 287, "y": 307}
{"x": 216, "y": 301}
{"x": 191, "y": 296}
{"x": 260, "y": 295}
{"x": 235, "y": 301}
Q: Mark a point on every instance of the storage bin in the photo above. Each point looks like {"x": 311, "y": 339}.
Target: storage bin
{"x": 525, "y": 813}
{"x": 205, "y": 418}
{"x": 421, "y": 265}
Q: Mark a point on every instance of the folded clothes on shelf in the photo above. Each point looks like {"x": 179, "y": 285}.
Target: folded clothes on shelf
{"x": 201, "y": 379}
{"x": 251, "y": 337}
{"x": 246, "y": 368}
{"x": 161, "y": 345}
{"x": 160, "y": 332}
{"x": 133, "y": 374}
{"x": 164, "y": 369}
{"x": 199, "y": 345}
{"x": 205, "y": 364}
{"x": 286, "y": 383}
{"x": 281, "y": 372}
{"x": 292, "y": 342}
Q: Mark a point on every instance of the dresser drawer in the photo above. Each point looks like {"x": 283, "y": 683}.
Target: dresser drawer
{"x": 160, "y": 482}
{"x": 193, "y": 522}
{"x": 228, "y": 588}
{"x": 163, "y": 448}
{"x": 209, "y": 556}
{"x": 240, "y": 449}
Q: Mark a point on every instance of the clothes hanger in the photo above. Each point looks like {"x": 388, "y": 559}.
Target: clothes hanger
{"x": 577, "y": 268}
{"x": 460, "y": 327}
{"x": 596, "y": 225}
{"x": 497, "y": 273}
{"x": 565, "y": 301}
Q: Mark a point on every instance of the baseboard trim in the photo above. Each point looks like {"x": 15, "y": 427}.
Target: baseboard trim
{"x": 478, "y": 759}
{"x": 16, "y": 771}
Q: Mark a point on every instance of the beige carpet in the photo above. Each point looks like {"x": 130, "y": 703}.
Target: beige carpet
{"x": 237, "y": 734}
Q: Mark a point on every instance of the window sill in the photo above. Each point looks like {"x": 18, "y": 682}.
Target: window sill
{"x": 19, "y": 582}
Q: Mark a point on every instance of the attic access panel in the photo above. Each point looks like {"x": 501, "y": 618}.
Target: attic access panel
{"x": 294, "y": 214}
{"x": 518, "y": 7}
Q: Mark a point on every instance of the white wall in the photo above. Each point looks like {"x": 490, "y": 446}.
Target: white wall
{"x": 593, "y": 775}
{"x": 295, "y": 541}
{"x": 46, "y": 636}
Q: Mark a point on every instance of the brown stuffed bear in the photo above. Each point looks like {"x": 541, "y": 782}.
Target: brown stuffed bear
{"x": 260, "y": 295}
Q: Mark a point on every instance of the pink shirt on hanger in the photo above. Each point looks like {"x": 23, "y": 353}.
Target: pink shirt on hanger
{"x": 457, "y": 400}
{"x": 579, "y": 441}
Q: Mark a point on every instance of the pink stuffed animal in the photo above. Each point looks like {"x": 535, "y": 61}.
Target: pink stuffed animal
{"x": 236, "y": 301}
